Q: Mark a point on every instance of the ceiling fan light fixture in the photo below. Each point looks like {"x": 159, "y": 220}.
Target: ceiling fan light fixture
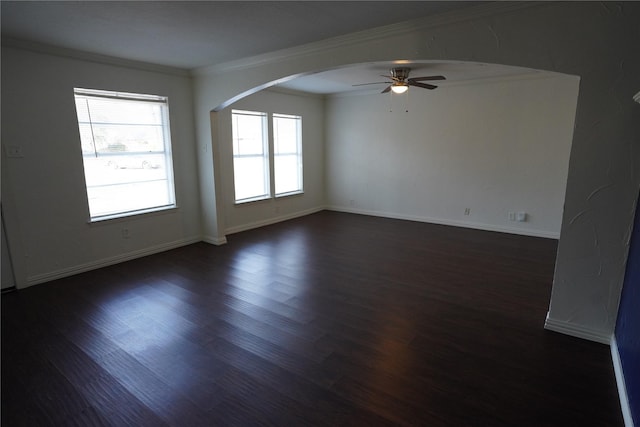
{"x": 400, "y": 88}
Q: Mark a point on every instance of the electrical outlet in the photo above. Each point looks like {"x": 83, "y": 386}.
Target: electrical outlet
{"x": 14, "y": 151}
{"x": 521, "y": 217}
{"x": 125, "y": 233}
{"x": 512, "y": 216}
{"x": 467, "y": 211}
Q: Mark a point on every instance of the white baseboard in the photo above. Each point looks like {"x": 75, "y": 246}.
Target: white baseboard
{"x": 105, "y": 262}
{"x": 465, "y": 224}
{"x": 577, "y": 330}
{"x": 93, "y": 265}
{"x": 58, "y": 274}
{"x": 269, "y": 221}
{"x": 218, "y": 241}
{"x": 622, "y": 388}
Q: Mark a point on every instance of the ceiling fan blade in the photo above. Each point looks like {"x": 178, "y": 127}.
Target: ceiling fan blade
{"x": 418, "y": 79}
{"x": 387, "y": 89}
{"x": 422, "y": 85}
{"x": 374, "y": 83}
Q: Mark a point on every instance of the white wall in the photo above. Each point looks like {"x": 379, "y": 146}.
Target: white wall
{"x": 250, "y": 215}
{"x": 43, "y": 194}
{"x": 588, "y": 39}
{"x": 491, "y": 146}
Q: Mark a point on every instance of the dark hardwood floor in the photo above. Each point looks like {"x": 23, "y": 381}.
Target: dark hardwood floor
{"x": 331, "y": 319}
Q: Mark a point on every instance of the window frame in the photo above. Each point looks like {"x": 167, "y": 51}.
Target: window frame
{"x": 298, "y": 154}
{"x": 269, "y": 156}
{"x": 166, "y": 153}
{"x": 264, "y": 156}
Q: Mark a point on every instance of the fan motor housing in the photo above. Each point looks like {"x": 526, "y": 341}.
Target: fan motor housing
{"x": 400, "y": 73}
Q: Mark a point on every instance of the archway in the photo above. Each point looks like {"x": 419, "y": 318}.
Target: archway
{"x": 600, "y": 184}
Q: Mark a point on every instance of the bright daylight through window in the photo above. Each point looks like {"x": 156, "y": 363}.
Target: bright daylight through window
{"x": 250, "y": 155}
{"x": 126, "y": 151}
{"x": 253, "y": 177}
{"x": 287, "y": 150}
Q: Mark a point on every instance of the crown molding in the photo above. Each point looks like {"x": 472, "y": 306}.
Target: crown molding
{"x": 48, "y": 49}
{"x": 387, "y": 31}
{"x": 310, "y": 49}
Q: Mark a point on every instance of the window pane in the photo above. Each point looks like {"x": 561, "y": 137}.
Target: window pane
{"x": 248, "y": 134}
{"x": 129, "y": 197}
{"x": 287, "y": 143}
{"x": 82, "y": 109}
{"x": 250, "y": 176}
{"x": 287, "y": 173}
{"x": 86, "y": 139}
{"x": 126, "y": 154}
{"x": 250, "y": 155}
{"x": 105, "y": 110}
{"x": 285, "y": 135}
{"x": 110, "y": 138}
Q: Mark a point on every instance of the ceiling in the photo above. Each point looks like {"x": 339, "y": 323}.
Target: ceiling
{"x": 343, "y": 79}
{"x": 193, "y": 34}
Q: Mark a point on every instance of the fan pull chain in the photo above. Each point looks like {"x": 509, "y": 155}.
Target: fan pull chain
{"x": 406, "y": 103}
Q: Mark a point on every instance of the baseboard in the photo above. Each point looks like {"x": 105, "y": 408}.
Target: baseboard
{"x": 440, "y": 221}
{"x": 46, "y": 277}
{"x": 577, "y": 330}
{"x": 269, "y": 221}
{"x": 93, "y": 265}
{"x": 622, "y": 388}
{"x": 215, "y": 240}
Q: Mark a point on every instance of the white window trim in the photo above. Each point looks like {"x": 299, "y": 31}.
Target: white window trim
{"x": 129, "y": 214}
{"x": 167, "y": 152}
{"x": 265, "y": 156}
{"x": 298, "y": 154}
{"x": 271, "y": 159}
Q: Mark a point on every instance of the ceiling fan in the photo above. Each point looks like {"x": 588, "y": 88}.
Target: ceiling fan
{"x": 400, "y": 81}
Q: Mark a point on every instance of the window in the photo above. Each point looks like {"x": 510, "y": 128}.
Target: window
{"x": 126, "y": 152}
{"x": 287, "y": 151}
{"x": 251, "y": 155}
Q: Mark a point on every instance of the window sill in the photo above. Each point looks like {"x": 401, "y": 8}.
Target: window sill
{"x": 252, "y": 200}
{"x": 292, "y": 193}
{"x": 266, "y": 199}
{"x": 128, "y": 215}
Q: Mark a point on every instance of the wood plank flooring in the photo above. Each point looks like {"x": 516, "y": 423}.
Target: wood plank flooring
{"x": 332, "y": 319}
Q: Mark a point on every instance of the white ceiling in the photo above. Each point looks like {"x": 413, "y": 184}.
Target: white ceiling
{"x": 343, "y": 79}
{"x": 193, "y": 34}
